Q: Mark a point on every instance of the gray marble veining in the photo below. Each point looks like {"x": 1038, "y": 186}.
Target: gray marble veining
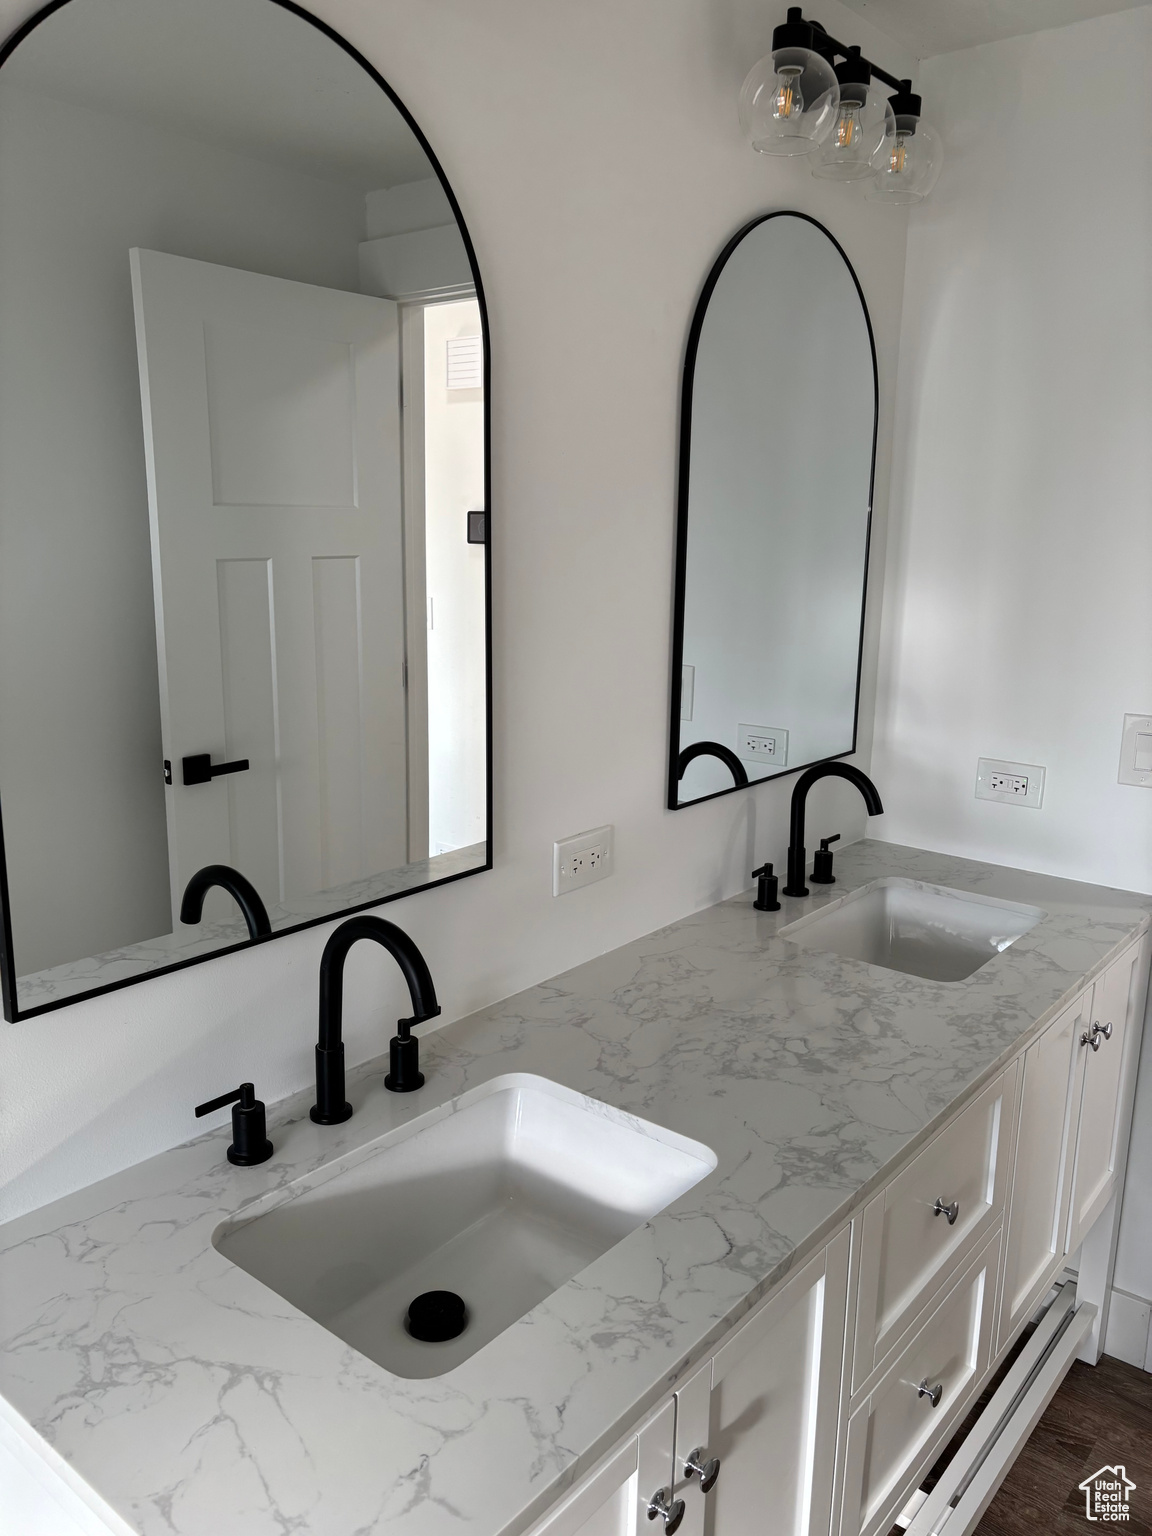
{"x": 196, "y": 1401}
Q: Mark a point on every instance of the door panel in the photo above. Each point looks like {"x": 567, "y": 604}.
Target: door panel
{"x": 272, "y": 437}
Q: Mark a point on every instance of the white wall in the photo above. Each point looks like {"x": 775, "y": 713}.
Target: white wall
{"x": 1018, "y": 615}
{"x": 80, "y": 757}
{"x": 1018, "y": 611}
{"x": 596, "y": 154}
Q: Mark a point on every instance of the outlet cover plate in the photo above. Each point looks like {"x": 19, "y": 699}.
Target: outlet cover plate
{"x": 763, "y": 744}
{"x": 1136, "y": 751}
{"x": 582, "y": 860}
{"x": 1010, "y": 783}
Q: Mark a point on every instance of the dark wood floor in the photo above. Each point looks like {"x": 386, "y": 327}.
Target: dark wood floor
{"x": 1102, "y": 1415}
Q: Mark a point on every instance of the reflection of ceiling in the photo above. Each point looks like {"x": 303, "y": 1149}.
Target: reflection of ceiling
{"x": 245, "y": 75}
{"x": 929, "y": 27}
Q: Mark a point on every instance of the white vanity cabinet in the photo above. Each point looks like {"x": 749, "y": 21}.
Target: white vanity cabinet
{"x": 1108, "y": 1048}
{"x": 767, "y": 1405}
{"x": 829, "y": 1402}
{"x": 921, "y": 1226}
{"x": 901, "y": 1421}
{"x": 615, "y": 1499}
{"x": 1041, "y": 1186}
{"x": 1072, "y": 1125}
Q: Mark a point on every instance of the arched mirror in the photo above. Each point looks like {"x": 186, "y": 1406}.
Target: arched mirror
{"x": 243, "y": 492}
{"x": 778, "y": 438}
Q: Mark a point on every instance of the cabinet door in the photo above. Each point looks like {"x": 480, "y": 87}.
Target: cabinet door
{"x": 1114, "y": 1004}
{"x": 1041, "y": 1182}
{"x": 768, "y": 1405}
{"x": 613, "y": 1500}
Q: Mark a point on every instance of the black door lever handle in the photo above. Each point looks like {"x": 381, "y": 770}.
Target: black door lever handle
{"x": 200, "y": 769}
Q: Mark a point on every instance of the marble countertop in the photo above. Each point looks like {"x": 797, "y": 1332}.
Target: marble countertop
{"x": 193, "y": 1400}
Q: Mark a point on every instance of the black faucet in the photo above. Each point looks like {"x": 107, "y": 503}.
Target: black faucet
{"x": 713, "y": 749}
{"x": 331, "y": 1107}
{"x": 796, "y": 855}
{"x": 246, "y": 895}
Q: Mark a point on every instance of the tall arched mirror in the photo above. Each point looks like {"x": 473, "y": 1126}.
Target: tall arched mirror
{"x": 778, "y": 435}
{"x": 243, "y": 492}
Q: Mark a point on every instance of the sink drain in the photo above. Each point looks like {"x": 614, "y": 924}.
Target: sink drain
{"x": 436, "y": 1316}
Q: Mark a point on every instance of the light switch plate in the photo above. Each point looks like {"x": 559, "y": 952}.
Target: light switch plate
{"x": 1010, "y": 783}
{"x": 764, "y": 744}
{"x": 583, "y": 859}
{"x": 1136, "y": 751}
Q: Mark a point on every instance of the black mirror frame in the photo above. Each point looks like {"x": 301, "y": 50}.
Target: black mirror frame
{"x": 674, "y": 803}
{"x": 13, "y": 1013}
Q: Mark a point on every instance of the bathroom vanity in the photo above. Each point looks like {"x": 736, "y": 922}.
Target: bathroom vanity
{"x": 875, "y": 1177}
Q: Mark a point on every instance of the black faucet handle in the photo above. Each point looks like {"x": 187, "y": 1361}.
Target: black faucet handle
{"x": 767, "y": 885}
{"x": 822, "y": 861}
{"x": 250, "y": 1144}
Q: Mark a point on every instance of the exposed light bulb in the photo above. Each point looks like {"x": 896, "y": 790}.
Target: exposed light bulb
{"x": 848, "y": 131}
{"x": 906, "y": 165}
{"x": 787, "y": 100}
{"x": 896, "y": 154}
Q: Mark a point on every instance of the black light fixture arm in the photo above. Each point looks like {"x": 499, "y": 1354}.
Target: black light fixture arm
{"x": 832, "y": 45}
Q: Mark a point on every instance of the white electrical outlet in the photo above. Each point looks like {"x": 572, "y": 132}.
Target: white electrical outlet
{"x": 1010, "y": 783}
{"x": 581, "y": 860}
{"x": 762, "y": 744}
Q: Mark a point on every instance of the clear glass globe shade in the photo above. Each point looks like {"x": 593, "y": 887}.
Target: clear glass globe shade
{"x": 907, "y": 165}
{"x": 857, "y": 133}
{"x": 788, "y": 102}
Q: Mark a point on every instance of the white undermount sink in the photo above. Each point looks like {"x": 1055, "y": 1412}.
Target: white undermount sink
{"x": 500, "y": 1196}
{"x": 921, "y": 930}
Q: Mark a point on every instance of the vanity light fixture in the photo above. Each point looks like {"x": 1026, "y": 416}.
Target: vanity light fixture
{"x": 799, "y": 101}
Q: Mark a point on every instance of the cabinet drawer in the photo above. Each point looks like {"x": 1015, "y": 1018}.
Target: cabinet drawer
{"x": 908, "y": 1245}
{"x": 895, "y": 1431}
